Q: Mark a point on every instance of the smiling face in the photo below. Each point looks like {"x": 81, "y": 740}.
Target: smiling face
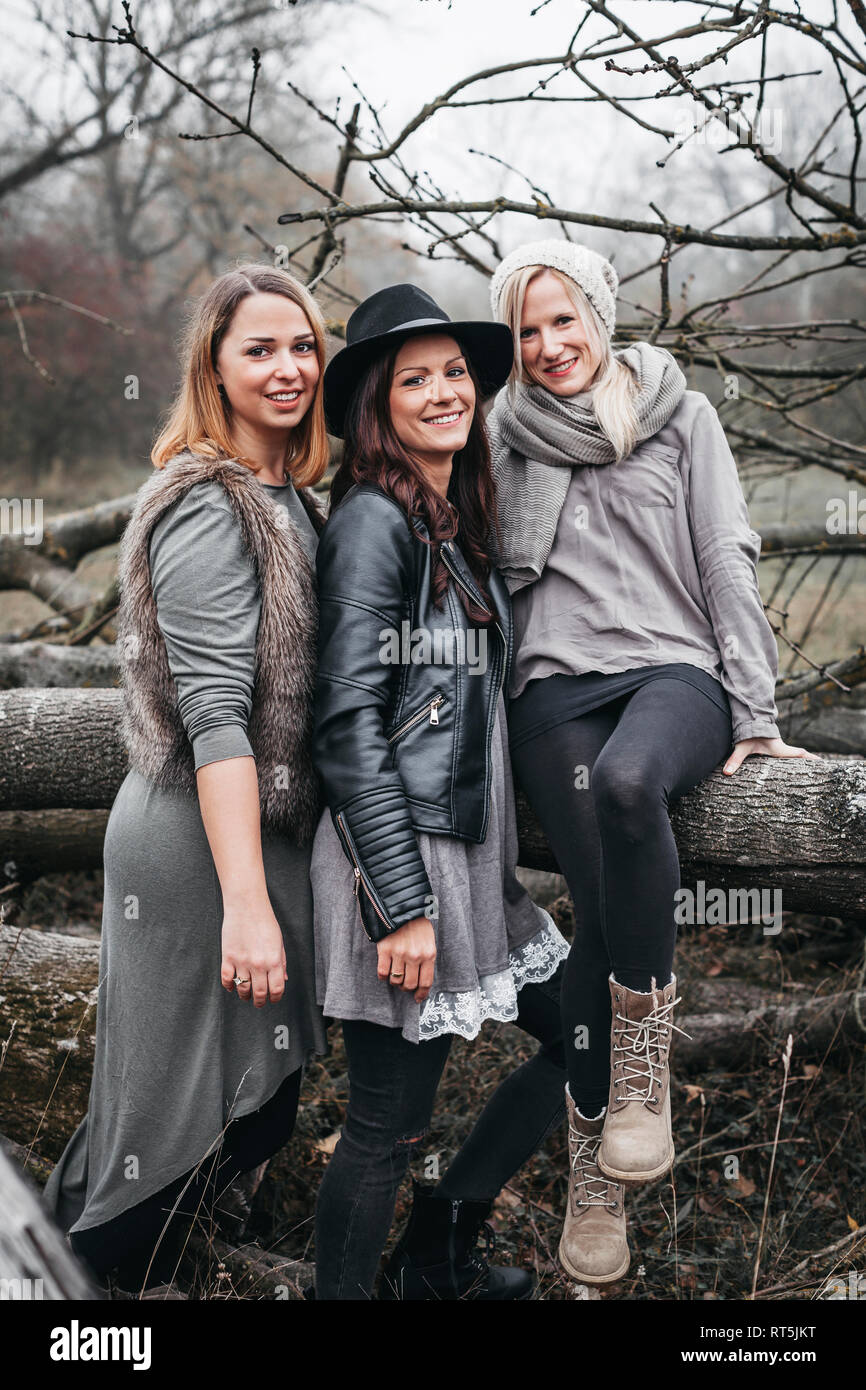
{"x": 554, "y": 347}
{"x": 432, "y": 398}
{"x": 267, "y": 364}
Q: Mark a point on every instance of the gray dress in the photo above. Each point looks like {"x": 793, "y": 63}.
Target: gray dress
{"x": 491, "y": 938}
{"x": 177, "y": 1056}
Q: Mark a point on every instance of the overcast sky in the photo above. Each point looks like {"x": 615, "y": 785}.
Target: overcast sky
{"x": 403, "y": 53}
{"x": 585, "y": 156}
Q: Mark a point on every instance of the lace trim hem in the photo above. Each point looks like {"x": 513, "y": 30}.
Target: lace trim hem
{"x": 496, "y": 996}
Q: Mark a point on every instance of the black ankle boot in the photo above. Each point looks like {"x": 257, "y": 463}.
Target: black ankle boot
{"x": 436, "y": 1257}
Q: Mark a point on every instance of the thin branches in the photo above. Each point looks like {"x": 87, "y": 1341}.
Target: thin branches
{"x": 788, "y": 383}
{"x": 128, "y": 35}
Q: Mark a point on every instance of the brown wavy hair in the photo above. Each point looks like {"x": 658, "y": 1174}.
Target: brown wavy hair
{"x": 372, "y": 453}
{"x": 200, "y": 417}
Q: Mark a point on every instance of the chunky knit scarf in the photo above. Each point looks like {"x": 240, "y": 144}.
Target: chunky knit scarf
{"x": 537, "y": 438}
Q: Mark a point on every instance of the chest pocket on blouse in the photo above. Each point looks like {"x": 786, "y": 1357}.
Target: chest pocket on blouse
{"x": 649, "y": 477}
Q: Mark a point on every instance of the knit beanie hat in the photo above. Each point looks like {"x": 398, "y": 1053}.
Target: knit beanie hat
{"x": 596, "y": 276}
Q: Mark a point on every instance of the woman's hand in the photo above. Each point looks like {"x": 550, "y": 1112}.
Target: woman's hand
{"x": 407, "y": 957}
{"x": 252, "y": 943}
{"x": 253, "y": 949}
{"x": 774, "y": 747}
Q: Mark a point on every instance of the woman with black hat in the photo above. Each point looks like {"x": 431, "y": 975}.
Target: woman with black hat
{"x": 422, "y": 929}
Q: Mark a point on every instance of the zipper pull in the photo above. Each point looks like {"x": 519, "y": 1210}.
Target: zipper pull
{"x": 434, "y": 711}
{"x": 357, "y": 872}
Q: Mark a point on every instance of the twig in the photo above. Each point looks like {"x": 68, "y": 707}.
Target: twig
{"x": 786, "y": 1063}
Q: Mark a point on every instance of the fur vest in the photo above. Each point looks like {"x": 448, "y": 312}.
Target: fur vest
{"x": 280, "y": 723}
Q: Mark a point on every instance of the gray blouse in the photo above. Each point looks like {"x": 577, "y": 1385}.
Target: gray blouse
{"x": 654, "y": 562}
{"x": 208, "y": 604}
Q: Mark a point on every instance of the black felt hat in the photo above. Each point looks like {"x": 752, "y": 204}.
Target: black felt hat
{"x": 404, "y": 311}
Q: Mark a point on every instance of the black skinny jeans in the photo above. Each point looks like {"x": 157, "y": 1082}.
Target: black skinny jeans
{"x": 392, "y": 1087}
{"x": 612, "y": 838}
{"x": 128, "y": 1242}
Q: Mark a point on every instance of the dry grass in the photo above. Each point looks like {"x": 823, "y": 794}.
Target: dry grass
{"x": 695, "y": 1234}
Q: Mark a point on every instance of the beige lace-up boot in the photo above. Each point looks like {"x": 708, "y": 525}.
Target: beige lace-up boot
{"x": 593, "y": 1248}
{"x": 637, "y": 1145}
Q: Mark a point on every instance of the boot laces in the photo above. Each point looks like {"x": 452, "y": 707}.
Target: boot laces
{"x": 599, "y": 1190}
{"x": 645, "y": 1049}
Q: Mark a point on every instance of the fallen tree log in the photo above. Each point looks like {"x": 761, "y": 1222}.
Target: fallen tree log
{"x": 61, "y": 748}
{"x": 73, "y": 534}
{"x": 47, "y": 1019}
{"x": 47, "y": 568}
{"x": 839, "y": 729}
{"x": 47, "y": 665}
{"x": 731, "y": 1023}
{"x": 48, "y": 987}
{"x": 66, "y": 538}
{"x": 795, "y": 826}
{"x": 35, "y": 1261}
{"x": 24, "y": 567}
{"x": 850, "y": 671}
{"x": 818, "y": 715}
{"x": 33, "y": 843}
{"x": 808, "y": 536}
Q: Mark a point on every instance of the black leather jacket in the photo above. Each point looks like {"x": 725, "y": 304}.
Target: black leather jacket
{"x": 402, "y": 744}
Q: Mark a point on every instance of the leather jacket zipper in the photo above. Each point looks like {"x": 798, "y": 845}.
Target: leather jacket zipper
{"x": 431, "y": 707}
{"x": 499, "y": 682}
{"x": 359, "y": 879}
{"x": 491, "y": 720}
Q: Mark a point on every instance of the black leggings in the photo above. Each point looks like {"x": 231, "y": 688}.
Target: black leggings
{"x": 128, "y": 1242}
{"x": 392, "y": 1087}
{"x": 601, "y": 785}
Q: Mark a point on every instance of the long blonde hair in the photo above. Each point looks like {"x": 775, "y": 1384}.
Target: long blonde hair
{"x": 613, "y": 385}
{"x": 200, "y": 418}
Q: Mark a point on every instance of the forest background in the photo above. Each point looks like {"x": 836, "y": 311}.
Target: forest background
{"x": 713, "y": 152}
